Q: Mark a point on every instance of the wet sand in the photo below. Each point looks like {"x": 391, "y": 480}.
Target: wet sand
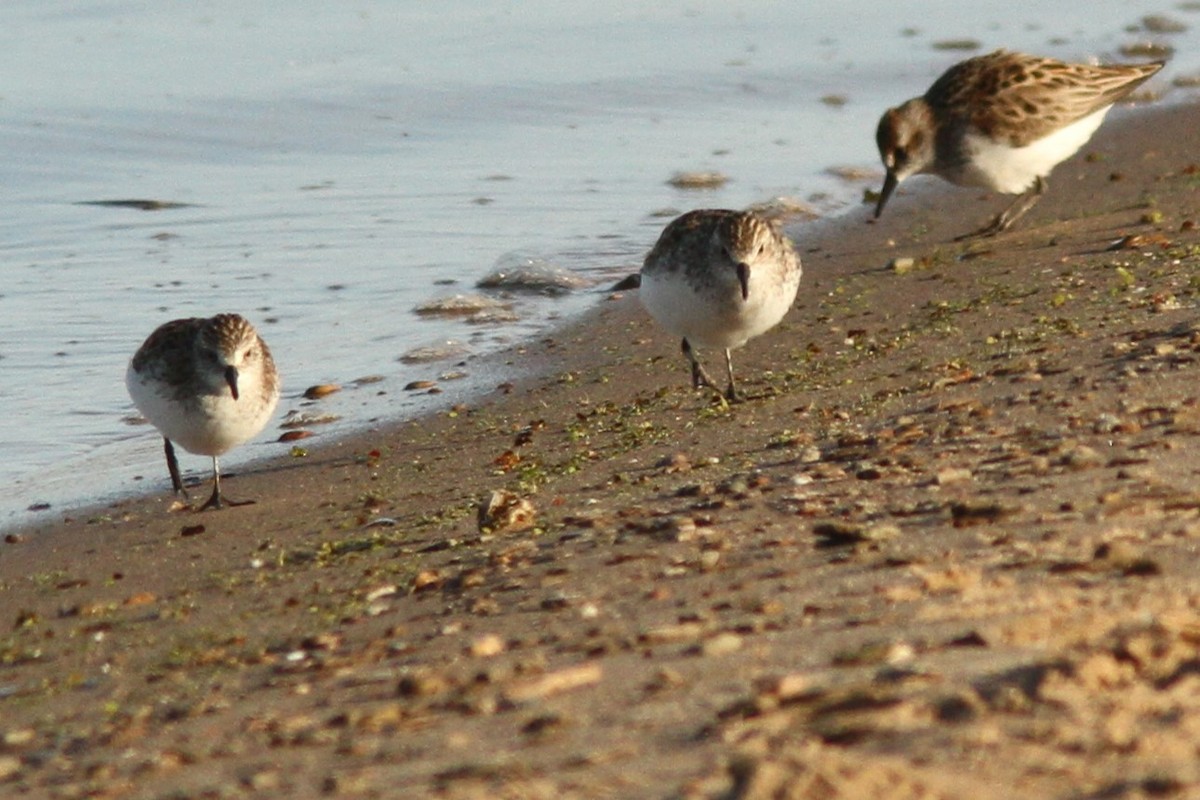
{"x": 948, "y": 548}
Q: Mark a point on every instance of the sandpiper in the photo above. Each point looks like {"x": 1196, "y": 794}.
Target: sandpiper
{"x": 1001, "y": 121}
{"x": 719, "y": 278}
{"x": 207, "y": 385}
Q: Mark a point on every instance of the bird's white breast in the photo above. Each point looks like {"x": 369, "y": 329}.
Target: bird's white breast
{"x": 205, "y": 424}
{"x": 718, "y": 316}
{"x": 1002, "y": 168}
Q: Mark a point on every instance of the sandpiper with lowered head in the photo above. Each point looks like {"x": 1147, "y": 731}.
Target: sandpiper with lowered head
{"x": 1002, "y": 122}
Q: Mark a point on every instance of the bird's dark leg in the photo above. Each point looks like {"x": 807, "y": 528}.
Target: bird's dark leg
{"x": 214, "y": 501}
{"x": 731, "y": 394}
{"x": 1017, "y": 209}
{"x": 699, "y": 376}
{"x": 173, "y": 468}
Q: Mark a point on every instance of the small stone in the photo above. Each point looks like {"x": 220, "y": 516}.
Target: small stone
{"x": 10, "y": 766}
{"x": 422, "y": 684}
{"x": 1147, "y": 50}
{"x": 387, "y": 590}
{"x": 321, "y": 390}
{"x": 487, "y": 645}
{"x": 666, "y": 634}
{"x": 1082, "y": 457}
{"x": 665, "y": 678}
{"x": 522, "y": 273}
{"x": 676, "y": 529}
{"x": 957, "y": 44}
{"x": 839, "y": 534}
{"x": 721, "y": 644}
{"x": 698, "y": 180}
{"x": 952, "y": 475}
{"x": 442, "y": 351}
{"x": 975, "y": 512}
{"x": 460, "y": 305}
{"x": 902, "y": 265}
{"x": 552, "y": 683}
{"x": 784, "y": 687}
{"x": 266, "y": 780}
{"x": 1160, "y": 23}
{"x": 19, "y": 737}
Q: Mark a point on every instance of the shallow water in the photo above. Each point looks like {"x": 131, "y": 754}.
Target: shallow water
{"x": 343, "y": 163}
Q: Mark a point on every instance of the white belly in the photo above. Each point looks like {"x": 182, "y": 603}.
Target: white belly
{"x": 722, "y": 319}
{"x": 210, "y": 424}
{"x": 1012, "y": 170}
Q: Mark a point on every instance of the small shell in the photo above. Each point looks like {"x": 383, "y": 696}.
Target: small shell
{"x": 505, "y": 511}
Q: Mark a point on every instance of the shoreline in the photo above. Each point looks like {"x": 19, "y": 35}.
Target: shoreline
{"x": 475, "y": 386}
{"x": 930, "y": 533}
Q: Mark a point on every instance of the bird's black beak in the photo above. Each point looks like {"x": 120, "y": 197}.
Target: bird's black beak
{"x": 231, "y": 376}
{"x": 743, "y": 273}
{"x": 889, "y": 186}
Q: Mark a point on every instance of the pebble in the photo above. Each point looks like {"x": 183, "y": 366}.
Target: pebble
{"x": 321, "y": 390}
{"x": 487, "y": 645}
{"x": 952, "y": 475}
{"x": 698, "y": 180}
{"x": 1160, "y": 23}
{"x": 441, "y": 351}
{"x": 1082, "y": 457}
{"x": 721, "y": 644}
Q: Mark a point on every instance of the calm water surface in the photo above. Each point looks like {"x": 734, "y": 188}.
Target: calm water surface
{"x": 344, "y": 162}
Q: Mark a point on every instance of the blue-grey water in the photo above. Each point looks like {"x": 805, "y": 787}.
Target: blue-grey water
{"x": 344, "y": 162}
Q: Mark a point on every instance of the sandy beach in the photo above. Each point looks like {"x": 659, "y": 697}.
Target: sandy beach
{"x": 947, "y": 548}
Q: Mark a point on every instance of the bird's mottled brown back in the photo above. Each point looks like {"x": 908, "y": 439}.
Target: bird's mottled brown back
{"x": 686, "y": 240}
{"x": 675, "y": 246}
{"x": 185, "y": 339}
{"x": 176, "y": 337}
{"x": 1020, "y": 98}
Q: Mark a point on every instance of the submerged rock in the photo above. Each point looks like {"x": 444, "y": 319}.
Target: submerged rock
{"x": 518, "y": 273}
{"x": 439, "y": 351}
{"x": 460, "y": 305}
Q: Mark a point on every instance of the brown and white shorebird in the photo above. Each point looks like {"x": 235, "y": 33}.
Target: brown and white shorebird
{"x": 719, "y": 278}
{"x": 207, "y": 385}
{"x": 1001, "y": 121}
